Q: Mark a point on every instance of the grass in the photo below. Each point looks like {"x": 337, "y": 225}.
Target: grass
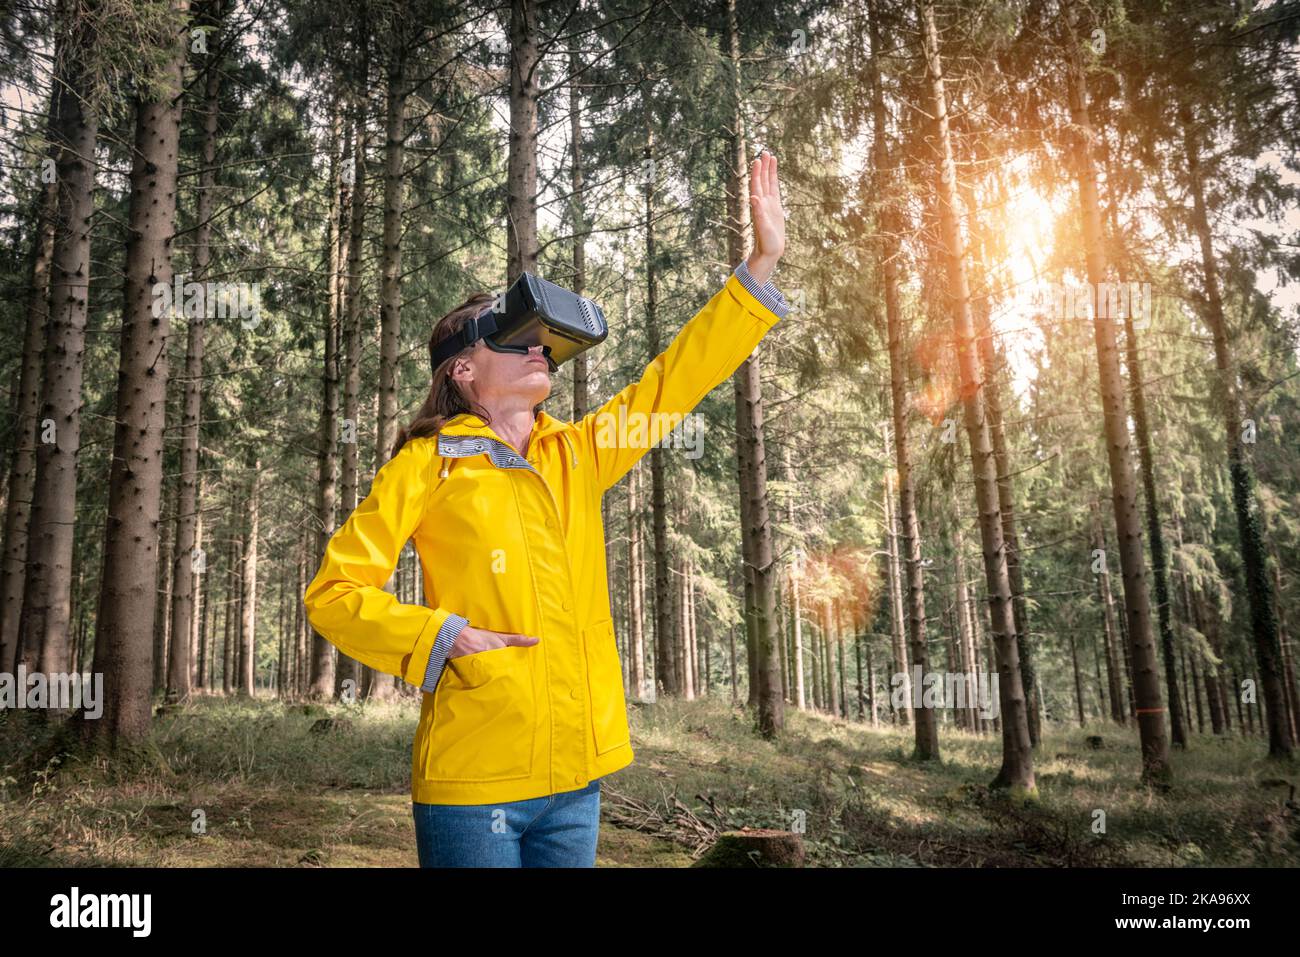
{"x": 246, "y": 783}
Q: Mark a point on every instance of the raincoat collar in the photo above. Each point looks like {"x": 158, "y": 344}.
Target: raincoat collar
{"x": 467, "y": 434}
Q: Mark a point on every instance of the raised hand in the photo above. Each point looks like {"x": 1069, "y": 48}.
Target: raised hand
{"x": 767, "y": 216}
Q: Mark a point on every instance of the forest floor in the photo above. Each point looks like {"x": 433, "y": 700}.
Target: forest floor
{"x": 270, "y": 792}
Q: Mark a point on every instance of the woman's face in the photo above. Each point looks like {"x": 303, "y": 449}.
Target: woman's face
{"x": 493, "y": 378}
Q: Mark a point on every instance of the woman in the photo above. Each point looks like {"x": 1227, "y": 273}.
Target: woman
{"x": 523, "y": 711}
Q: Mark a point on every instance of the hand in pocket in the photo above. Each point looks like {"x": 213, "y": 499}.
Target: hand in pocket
{"x": 472, "y": 640}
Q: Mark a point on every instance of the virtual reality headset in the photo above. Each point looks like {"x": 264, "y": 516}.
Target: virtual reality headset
{"x": 534, "y": 312}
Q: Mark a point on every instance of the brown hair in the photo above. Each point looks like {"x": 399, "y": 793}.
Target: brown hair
{"x": 445, "y": 400}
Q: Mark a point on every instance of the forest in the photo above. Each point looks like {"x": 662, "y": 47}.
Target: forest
{"x": 998, "y": 526}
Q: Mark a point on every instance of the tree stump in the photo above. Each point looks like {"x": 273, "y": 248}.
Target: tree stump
{"x": 757, "y": 847}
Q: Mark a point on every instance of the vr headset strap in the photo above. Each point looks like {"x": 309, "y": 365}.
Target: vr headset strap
{"x": 479, "y": 327}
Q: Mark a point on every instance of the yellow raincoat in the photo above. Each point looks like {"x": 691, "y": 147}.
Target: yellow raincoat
{"x": 516, "y": 546}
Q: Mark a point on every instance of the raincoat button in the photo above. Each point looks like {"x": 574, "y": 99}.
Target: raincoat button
{"x": 574, "y": 694}
{"x": 577, "y": 779}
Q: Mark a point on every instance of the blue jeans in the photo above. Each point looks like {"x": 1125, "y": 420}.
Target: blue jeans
{"x": 559, "y": 830}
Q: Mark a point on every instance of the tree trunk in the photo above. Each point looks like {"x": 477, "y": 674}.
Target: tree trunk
{"x": 1213, "y": 691}
{"x": 965, "y": 633}
{"x": 857, "y": 669}
{"x": 1151, "y": 501}
{"x": 749, "y": 419}
{"x": 908, "y": 551}
{"x": 1259, "y": 593}
{"x": 248, "y": 619}
{"x": 871, "y": 684}
{"x": 686, "y": 670}
{"x": 731, "y": 645}
{"x": 1196, "y": 694}
{"x": 581, "y": 400}
{"x": 183, "y": 577}
{"x": 521, "y": 173}
{"x": 379, "y": 686}
{"x": 897, "y": 615}
{"x": 1113, "y": 681}
{"x": 665, "y": 676}
{"x": 207, "y": 631}
{"x": 991, "y": 360}
{"x": 232, "y": 610}
{"x": 327, "y": 440}
{"x": 815, "y": 666}
{"x": 22, "y": 468}
{"x": 1128, "y": 528}
{"x": 796, "y": 615}
{"x": 1017, "y": 771}
{"x": 636, "y": 614}
{"x": 1078, "y": 678}
{"x": 161, "y": 633}
{"x": 45, "y": 621}
{"x": 832, "y": 643}
{"x": 693, "y": 637}
{"x": 348, "y": 669}
{"x": 1102, "y": 686}
{"x": 1288, "y": 658}
{"x": 128, "y": 599}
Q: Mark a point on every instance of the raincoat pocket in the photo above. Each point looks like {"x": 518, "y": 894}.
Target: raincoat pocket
{"x": 484, "y": 717}
{"x": 605, "y": 684}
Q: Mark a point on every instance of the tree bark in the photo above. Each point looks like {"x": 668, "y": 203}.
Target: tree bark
{"x": 1259, "y": 592}
{"x": 521, "y": 173}
{"x": 1128, "y": 528}
{"x": 906, "y": 553}
{"x": 665, "y": 675}
{"x": 46, "y": 610}
{"x": 161, "y": 624}
{"x": 1151, "y": 501}
{"x": 1017, "y": 771}
{"x": 1078, "y": 678}
{"x": 636, "y": 614}
{"x": 123, "y": 643}
{"x": 379, "y": 686}
{"x": 796, "y": 615}
{"x": 965, "y": 633}
{"x": 185, "y": 554}
{"x": 327, "y": 441}
{"x": 581, "y": 399}
{"x": 248, "y": 590}
{"x": 749, "y": 420}
{"x": 991, "y": 360}
{"x": 233, "y": 578}
{"x": 1115, "y": 689}
{"x": 897, "y": 617}
{"x": 347, "y": 668}
{"x": 22, "y": 468}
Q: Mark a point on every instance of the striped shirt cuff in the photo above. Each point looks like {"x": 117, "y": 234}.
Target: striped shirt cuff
{"x": 447, "y": 634}
{"x": 764, "y": 292}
